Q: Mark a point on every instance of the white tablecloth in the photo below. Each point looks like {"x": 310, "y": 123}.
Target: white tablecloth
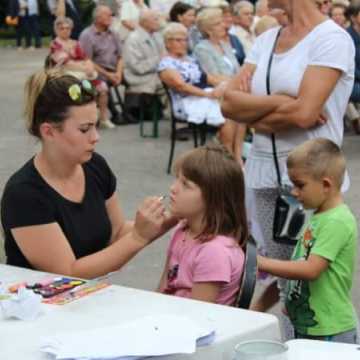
{"x": 20, "y": 340}
{"x": 322, "y": 350}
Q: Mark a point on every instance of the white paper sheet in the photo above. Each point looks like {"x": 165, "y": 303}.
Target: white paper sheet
{"x": 148, "y": 336}
{"x": 25, "y": 305}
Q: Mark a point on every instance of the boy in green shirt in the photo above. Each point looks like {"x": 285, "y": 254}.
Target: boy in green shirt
{"x": 318, "y": 300}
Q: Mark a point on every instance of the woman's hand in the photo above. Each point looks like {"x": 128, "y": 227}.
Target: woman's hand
{"x": 242, "y": 82}
{"x": 149, "y": 220}
{"x": 218, "y": 91}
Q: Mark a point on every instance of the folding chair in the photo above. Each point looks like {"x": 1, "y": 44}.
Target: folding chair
{"x": 116, "y": 103}
{"x": 248, "y": 280}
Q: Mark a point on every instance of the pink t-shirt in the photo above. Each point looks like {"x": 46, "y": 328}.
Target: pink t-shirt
{"x": 191, "y": 261}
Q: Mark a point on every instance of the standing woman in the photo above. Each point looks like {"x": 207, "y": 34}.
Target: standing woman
{"x": 60, "y": 211}
{"x": 310, "y": 47}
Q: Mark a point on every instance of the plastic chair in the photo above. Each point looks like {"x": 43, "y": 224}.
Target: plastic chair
{"x": 248, "y": 280}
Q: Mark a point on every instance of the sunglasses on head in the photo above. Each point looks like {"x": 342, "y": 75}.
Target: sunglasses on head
{"x": 76, "y": 91}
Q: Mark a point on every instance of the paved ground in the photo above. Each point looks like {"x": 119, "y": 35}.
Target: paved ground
{"x": 139, "y": 164}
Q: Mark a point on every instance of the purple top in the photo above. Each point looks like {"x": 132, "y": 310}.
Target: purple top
{"x": 102, "y": 47}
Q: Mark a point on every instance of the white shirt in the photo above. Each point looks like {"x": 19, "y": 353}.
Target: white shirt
{"x": 131, "y": 11}
{"x": 326, "y": 45}
{"x": 162, "y": 6}
{"x": 33, "y": 7}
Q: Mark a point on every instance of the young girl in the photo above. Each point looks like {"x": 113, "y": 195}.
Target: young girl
{"x": 205, "y": 257}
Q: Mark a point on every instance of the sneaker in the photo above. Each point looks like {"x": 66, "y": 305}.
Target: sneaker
{"x": 106, "y": 124}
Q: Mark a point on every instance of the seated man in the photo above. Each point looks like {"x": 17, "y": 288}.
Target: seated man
{"x": 143, "y": 50}
{"x": 142, "y": 54}
{"x": 102, "y": 46}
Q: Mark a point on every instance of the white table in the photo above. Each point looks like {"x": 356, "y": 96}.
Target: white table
{"x": 322, "y": 350}
{"x": 20, "y": 340}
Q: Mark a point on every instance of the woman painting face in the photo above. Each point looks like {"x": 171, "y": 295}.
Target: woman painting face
{"x": 77, "y": 137}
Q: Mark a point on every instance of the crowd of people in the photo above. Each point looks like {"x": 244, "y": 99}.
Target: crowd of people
{"x": 285, "y": 70}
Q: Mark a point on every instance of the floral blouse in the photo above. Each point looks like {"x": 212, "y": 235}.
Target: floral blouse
{"x": 190, "y": 71}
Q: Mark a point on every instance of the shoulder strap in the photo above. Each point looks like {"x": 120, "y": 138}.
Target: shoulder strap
{"x": 268, "y": 90}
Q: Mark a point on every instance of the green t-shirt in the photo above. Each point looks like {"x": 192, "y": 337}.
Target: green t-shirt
{"x": 323, "y": 307}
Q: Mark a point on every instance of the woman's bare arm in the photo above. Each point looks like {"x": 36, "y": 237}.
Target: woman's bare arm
{"x": 174, "y": 81}
{"x": 246, "y": 108}
{"x": 306, "y": 110}
{"x": 60, "y": 8}
{"x": 241, "y": 106}
{"x": 47, "y": 248}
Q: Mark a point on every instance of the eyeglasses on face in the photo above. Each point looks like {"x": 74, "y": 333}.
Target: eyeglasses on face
{"x": 64, "y": 28}
{"x": 179, "y": 39}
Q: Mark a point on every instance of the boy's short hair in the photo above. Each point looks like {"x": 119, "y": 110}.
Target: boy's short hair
{"x": 319, "y": 158}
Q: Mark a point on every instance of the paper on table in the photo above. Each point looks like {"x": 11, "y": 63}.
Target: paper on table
{"x": 25, "y": 305}
{"x": 147, "y": 336}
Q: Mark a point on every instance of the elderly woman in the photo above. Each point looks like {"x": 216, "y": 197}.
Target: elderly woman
{"x": 298, "y": 108}
{"x": 68, "y": 53}
{"x": 229, "y": 38}
{"x": 243, "y": 12}
{"x": 192, "y": 98}
{"x": 217, "y": 58}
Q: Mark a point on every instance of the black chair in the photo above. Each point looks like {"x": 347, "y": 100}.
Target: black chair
{"x": 179, "y": 126}
{"x": 248, "y": 280}
{"x": 119, "y": 115}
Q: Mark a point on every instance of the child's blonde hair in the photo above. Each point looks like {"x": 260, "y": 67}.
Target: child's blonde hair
{"x": 221, "y": 180}
{"x": 319, "y": 158}
{"x": 265, "y": 23}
